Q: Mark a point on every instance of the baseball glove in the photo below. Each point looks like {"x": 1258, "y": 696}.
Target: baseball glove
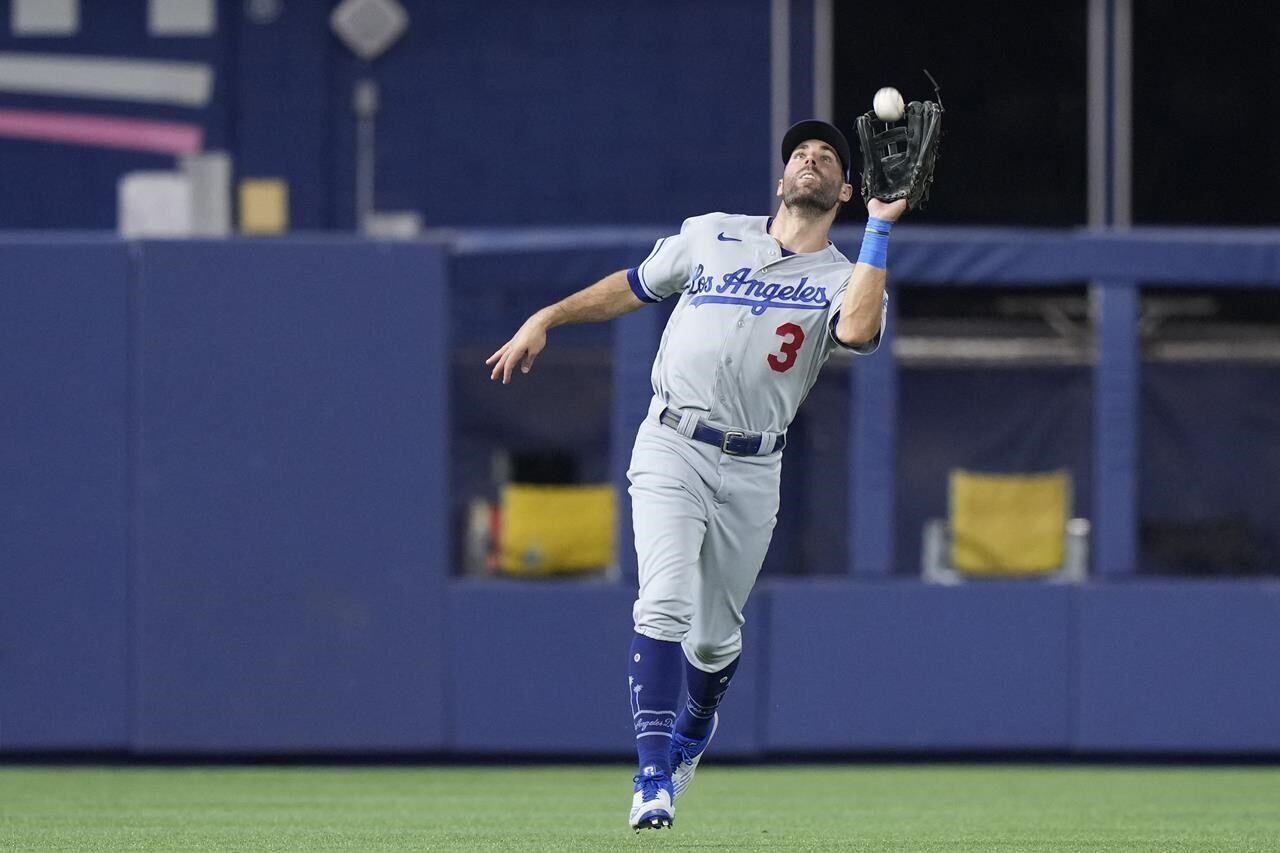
{"x": 898, "y": 157}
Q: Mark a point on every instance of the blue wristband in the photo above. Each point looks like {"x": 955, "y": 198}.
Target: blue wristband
{"x": 875, "y": 243}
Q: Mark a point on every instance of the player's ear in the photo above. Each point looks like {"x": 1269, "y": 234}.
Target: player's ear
{"x": 846, "y": 192}
{"x": 779, "y": 192}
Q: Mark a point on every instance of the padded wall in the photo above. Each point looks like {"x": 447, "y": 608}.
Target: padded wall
{"x": 224, "y": 475}
{"x": 293, "y": 475}
{"x": 540, "y": 668}
{"x": 903, "y": 666}
{"x": 64, "y": 494}
{"x": 1175, "y": 666}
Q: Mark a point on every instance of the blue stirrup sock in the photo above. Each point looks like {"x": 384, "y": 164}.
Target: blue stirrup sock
{"x": 654, "y": 674}
{"x": 706, "y": 690}
{"x": 875, "y": 243}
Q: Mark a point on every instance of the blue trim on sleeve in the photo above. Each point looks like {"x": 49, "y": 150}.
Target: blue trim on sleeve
{"x": 652, "y": 297}
{"x": 633, "y": 279}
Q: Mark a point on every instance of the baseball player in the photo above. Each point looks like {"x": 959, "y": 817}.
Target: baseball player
{"x": 763, "y": 302}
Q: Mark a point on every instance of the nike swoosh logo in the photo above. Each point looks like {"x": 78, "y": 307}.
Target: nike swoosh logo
{"x": 725, "y": 239}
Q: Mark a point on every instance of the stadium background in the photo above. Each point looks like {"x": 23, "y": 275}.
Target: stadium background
{"x": 235, "y": 472}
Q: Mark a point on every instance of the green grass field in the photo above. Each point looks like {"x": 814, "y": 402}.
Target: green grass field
{"x": 818, "y": 808}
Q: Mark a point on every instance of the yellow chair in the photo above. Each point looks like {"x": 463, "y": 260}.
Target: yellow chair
{"x": 557, "y": 529}
{"x": 1007, "y": 526}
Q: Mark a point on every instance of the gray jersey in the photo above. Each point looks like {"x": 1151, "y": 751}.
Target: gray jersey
{"x": 753, "y": 325}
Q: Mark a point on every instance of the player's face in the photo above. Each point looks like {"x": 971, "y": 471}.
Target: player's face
{"x": 812, "y": 180}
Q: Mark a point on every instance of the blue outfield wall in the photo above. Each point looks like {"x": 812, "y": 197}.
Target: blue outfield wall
{"x": 901, "y": 665}
{"x": 541, "y": 669}
{"x": 225, "y": 480}
{"x": 1190, "y": 666}
{"x": 64, "y": 495}
{"x": 293, "y": 482}
{"x": 225, "y": 528}
{"x": 847, "y": 666}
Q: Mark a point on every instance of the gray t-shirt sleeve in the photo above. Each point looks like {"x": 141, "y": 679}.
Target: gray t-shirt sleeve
{"x": 666, "y": 270}
{"x": 833, "y": 317}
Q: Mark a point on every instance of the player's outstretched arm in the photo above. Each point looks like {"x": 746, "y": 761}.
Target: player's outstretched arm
{"x": 860, "y": 311}
{"x": 609, "y": 297}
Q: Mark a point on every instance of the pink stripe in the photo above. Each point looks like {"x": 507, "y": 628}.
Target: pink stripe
{"x": 131, "y": 134}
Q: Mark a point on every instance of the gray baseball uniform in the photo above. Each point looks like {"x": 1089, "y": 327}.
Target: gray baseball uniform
{"x": 744, "y": 345}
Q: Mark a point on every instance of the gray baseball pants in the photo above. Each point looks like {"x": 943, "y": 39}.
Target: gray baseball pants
{"x": 703, "y": 520}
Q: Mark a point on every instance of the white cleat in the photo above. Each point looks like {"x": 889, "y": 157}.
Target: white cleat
{"x": 652, "y": 805}
{"x": 685, "y": 755}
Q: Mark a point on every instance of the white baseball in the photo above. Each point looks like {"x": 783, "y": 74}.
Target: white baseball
{"x": 888, "y": 104}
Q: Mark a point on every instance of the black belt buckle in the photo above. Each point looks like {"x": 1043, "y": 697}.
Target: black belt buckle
{"x": 730, "y": 434}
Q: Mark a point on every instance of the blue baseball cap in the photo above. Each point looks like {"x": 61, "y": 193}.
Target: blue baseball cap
{"x": 820, "y": 130}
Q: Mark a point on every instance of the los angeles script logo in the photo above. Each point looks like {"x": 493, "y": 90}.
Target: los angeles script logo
{"x": 736, "y": 288}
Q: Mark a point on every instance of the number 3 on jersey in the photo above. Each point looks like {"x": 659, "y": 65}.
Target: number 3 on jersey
{"x": 792, "y": 338}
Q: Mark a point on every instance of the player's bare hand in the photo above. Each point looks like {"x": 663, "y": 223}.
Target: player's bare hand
{"x": 889, "y": 211}
{"x": 521, "y": 350}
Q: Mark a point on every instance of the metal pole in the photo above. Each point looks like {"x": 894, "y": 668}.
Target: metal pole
{"x": 365, "y": 103}
{"x": 780, "y": 84}
{"x": 823, "y": 60}
{"x": 1097, "y": 116}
